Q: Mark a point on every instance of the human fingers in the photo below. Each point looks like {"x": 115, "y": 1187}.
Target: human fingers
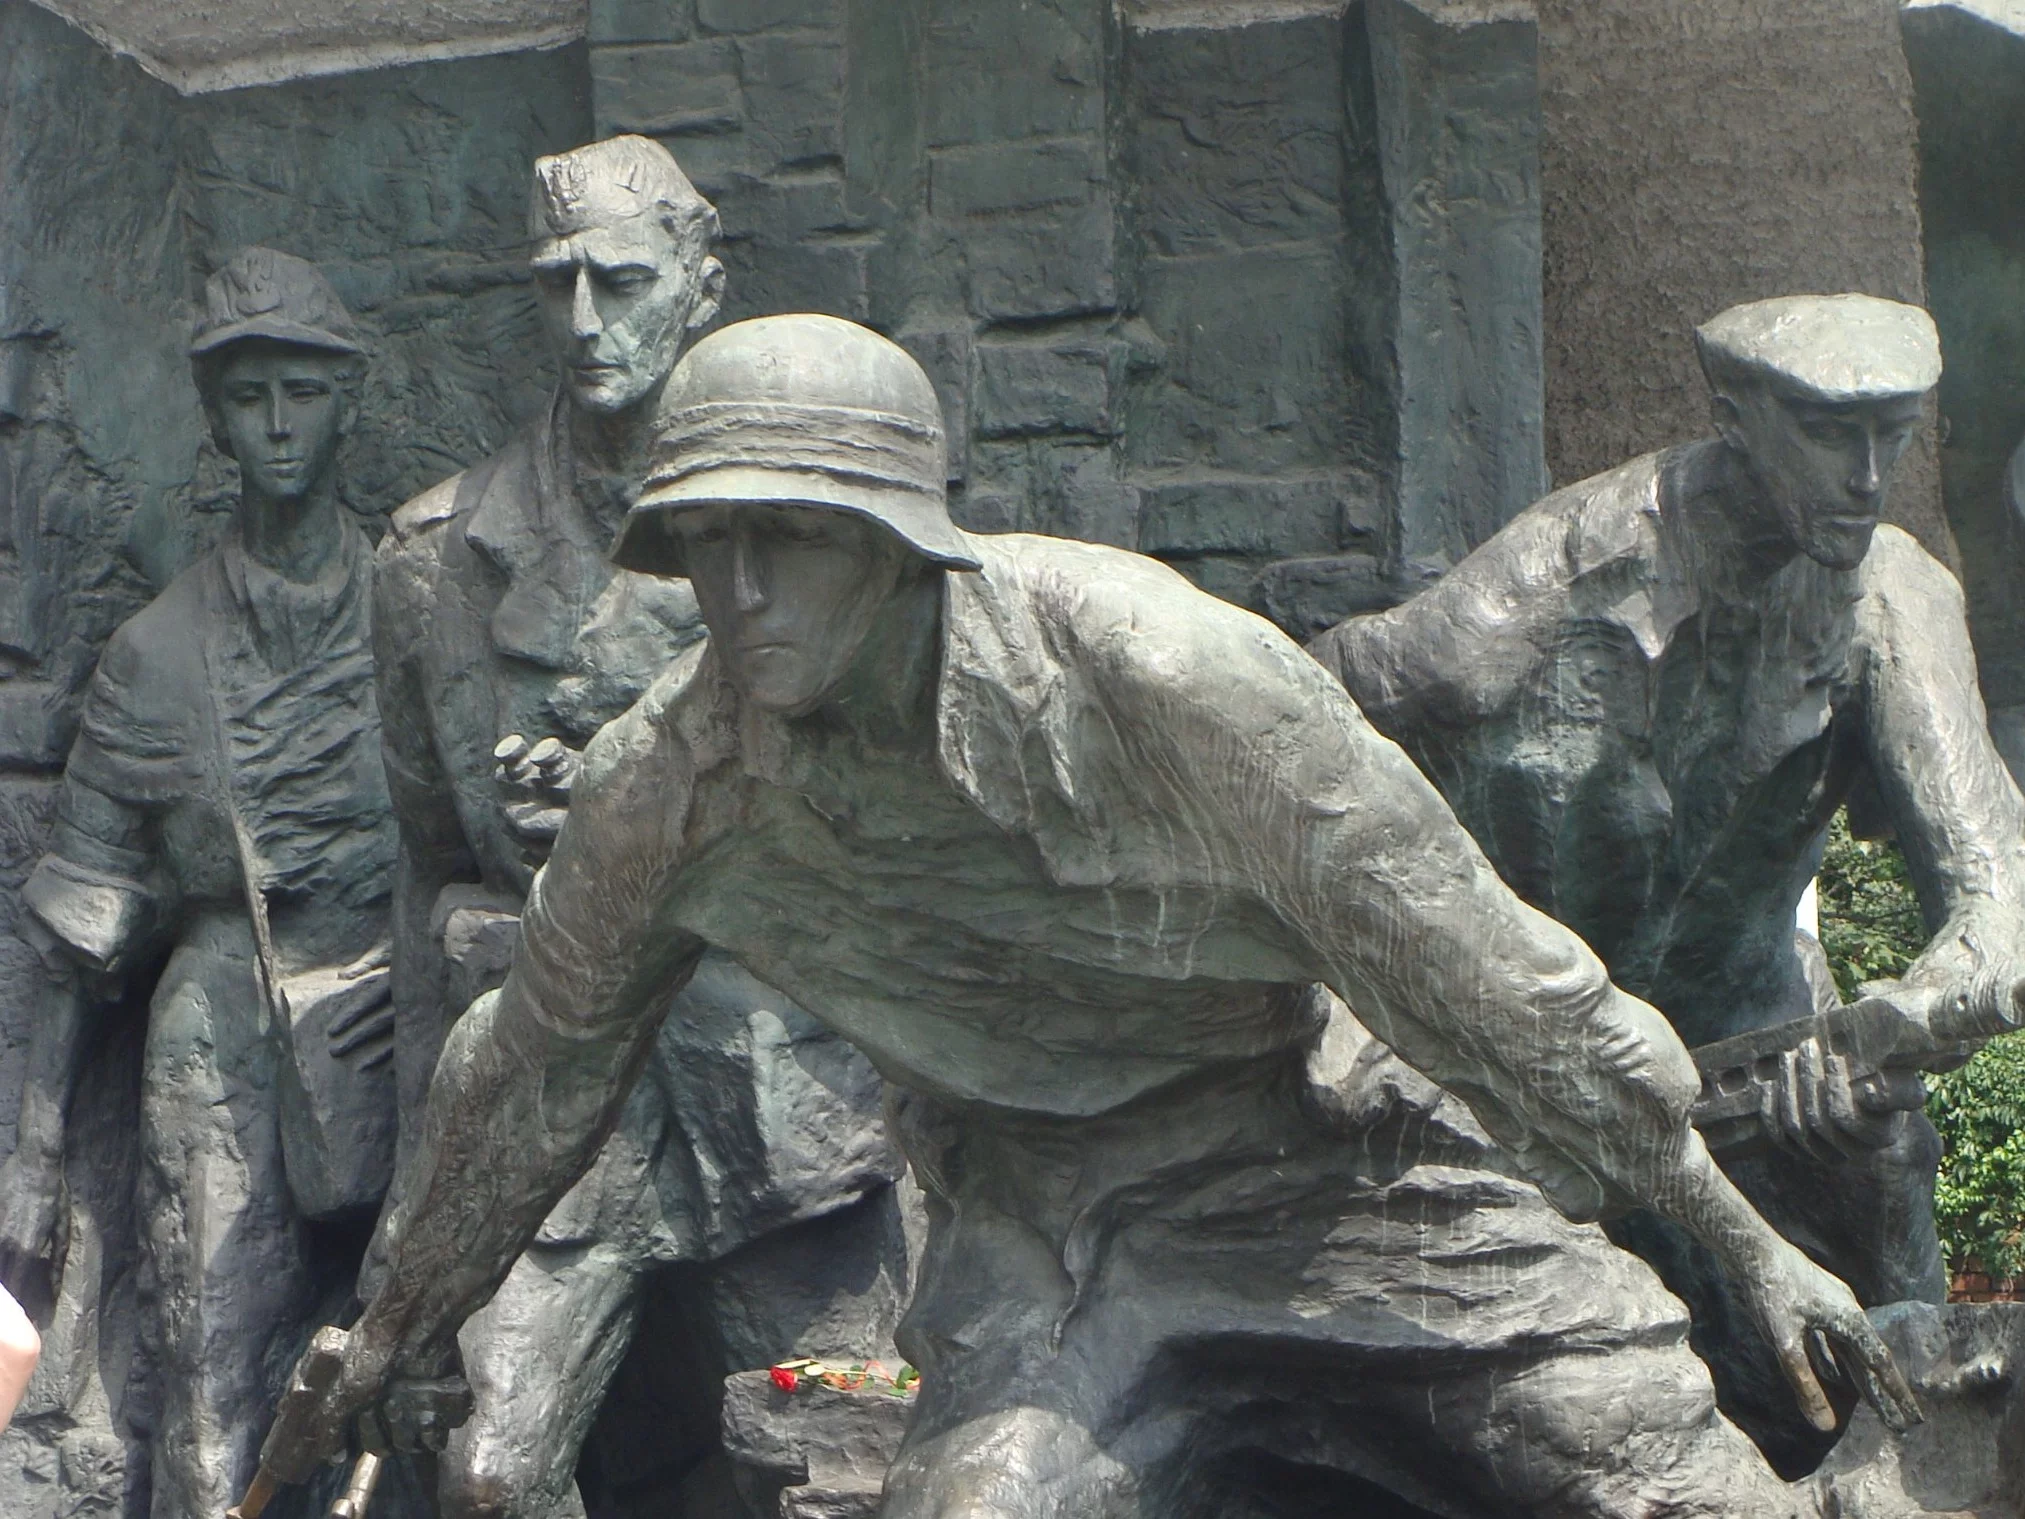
{"x": 1791, "y": 1348}
{"x": 1868, "y": 1361}
{"x": 1792, "y": 1112}
{"x": 1813, "y": 1094}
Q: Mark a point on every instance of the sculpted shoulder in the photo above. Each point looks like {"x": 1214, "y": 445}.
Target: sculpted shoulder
{"x": 686, "y": 717}
{"x": 422, "y": 518}
{"x": 1147, "y": 635}
{"x": 1897, "y": 569}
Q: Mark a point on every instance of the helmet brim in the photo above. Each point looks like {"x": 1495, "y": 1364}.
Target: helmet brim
{"x": 648, "y": 545}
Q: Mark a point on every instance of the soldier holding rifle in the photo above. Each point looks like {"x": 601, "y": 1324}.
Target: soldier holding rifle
{"x": 1063, "y": 843}
{"x": 1647, "y": 697}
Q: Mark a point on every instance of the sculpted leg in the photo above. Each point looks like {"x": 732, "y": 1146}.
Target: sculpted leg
{"x": 228, "y": 1256}
{"x": 539, "y": 1357}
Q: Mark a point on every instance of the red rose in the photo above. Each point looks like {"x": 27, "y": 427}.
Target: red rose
{"x": 784, "y": 1379}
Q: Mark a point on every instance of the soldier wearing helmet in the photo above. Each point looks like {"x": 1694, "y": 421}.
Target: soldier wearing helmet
{"x": 506, "y": 640}
{"x": 224, "y": 806}
{"x": 1064, "y": 844}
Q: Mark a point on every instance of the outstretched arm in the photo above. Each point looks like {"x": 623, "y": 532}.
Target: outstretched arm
{"x": 1262, "y": 754}
{"x": 531, "y": 1079}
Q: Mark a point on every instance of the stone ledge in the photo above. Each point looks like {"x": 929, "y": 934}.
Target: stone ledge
{"x": 816, "y": 1453}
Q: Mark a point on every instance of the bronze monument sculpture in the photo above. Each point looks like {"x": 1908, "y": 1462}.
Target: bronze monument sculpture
{"x": 1647, "y": 697}
{"x": 505, "y": 641}
{"x": 1081, "y": 839}
{"x": 225, "y": 801}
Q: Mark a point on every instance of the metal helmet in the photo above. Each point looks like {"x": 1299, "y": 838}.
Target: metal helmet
{"x": 264, "y": 294}
{"x": 797, "y": 411}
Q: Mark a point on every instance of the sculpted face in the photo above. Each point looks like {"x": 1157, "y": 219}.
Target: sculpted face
{"x": 619, "y": 297}
{"x": 283, "y": 413}
{"x": 1824, "y": 468}
{"x": 788, "y": 593}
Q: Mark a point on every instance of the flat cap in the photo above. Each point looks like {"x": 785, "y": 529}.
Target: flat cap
{"x": 1833, "y": 348}
{"x": 264, "y": 294}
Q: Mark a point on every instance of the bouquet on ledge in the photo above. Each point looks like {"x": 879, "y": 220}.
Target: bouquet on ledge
{"x": 871, "y": 1376}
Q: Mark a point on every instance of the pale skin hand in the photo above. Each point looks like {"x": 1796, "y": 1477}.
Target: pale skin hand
{"x": 20, "y": 1349}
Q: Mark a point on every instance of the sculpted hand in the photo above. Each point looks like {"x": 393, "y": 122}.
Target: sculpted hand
{"x": 1813, "y": 1321}
{"x": 344, "y": 1377}
{"x": 1817, "y": 1106}
{"x": 31, "y": 1204}
{"x": 537, "y": 779}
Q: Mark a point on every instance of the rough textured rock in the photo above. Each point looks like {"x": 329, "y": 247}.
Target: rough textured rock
{"x": 1689, "y": 165}
{"x": 1967, "y": 1363}
{"x": 1230, "y": 283}
{"x": 1968, "y": 72}
{"x": 816, "y": 1453}
{"x": 200, "y": 45}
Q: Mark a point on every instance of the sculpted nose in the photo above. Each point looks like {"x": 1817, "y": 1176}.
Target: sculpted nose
{"x": 1869, "y": 476}
{"x": 748, "y": 577}
{"x": 277, "y": 417}
{"x": 584, "y": 323}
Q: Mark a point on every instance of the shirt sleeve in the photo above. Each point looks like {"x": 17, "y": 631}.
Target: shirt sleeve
{"x": 1293, "y": 796}
{"x": 97, "y": 889}
{"x": 1958, "y": 814}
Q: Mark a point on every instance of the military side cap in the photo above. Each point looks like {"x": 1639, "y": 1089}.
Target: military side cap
{"x": 1833, "y": 348}
{"x": 264, "y": 294}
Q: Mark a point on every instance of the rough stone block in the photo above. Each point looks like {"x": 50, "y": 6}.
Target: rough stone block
{"x": 1307, "y": 596}
{"x": 1458, "y": 101}
{"x": 945, "y": 355}
{"x": 1029, "y": 388}
{"x": 1255, "y": 385}
{"x": 819, "y": 1451}
{"x": 1046, "y": 265}
{"x": 794, "y": 95}
{"x": 1230, "y": 515}
{"x": 831, "y": 275}
{"x": 641, "y": 21}
{"x": 718, "y": 163}
{"x": 998, "y": 72}
{"x": 767, "y": 15}
{"x": 682, "y": 88}
{"x": 33, "y": 729}
{"x": 1966, "y": 1363}
{"x": 782, "y": 210}
{"x": 1014, "y": 176}
{"x": 1237, "y": 134}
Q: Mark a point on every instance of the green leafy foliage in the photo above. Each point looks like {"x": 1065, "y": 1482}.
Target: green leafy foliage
{"x": 1870, "y": 919}
{"x": 1872, "y": 930}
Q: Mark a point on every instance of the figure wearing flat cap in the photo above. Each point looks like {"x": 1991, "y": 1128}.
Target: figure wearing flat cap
{"x": 224, "y": 804}
{"x": 506, "y": 640}
{"x": 1064, "y": 845}
{"x": 1647, "y": 696}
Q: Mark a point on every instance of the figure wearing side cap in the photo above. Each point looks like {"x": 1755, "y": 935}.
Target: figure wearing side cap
{"x": 501, "y": 621}
{"x": 225, "y": 802}
{"x": 1647, "y": 696}
{"x": 1080, "y": 839}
